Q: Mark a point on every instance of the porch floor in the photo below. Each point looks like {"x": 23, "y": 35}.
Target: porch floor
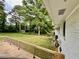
{"x": 11, "y": 51}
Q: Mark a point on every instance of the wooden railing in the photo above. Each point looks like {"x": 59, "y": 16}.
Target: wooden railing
{"x": 41, "y": 52}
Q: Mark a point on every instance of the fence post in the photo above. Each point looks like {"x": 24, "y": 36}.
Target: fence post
{"x": 10, "y": 41}
{"x": 34, "y": 53}
{"x": 59, "y": 56}
{"x": 18, "y": 45}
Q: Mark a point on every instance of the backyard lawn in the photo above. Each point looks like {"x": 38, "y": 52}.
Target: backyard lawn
{"x": 43, "y": 41}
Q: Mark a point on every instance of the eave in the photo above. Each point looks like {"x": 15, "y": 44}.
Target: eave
{"x": 71, "y": 6}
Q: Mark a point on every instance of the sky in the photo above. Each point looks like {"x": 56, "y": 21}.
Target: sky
{"x": 9, "y": 4}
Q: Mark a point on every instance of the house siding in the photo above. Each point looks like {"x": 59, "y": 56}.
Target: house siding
{"x": 53, "y": 7}
{"x": 71, "y": 44}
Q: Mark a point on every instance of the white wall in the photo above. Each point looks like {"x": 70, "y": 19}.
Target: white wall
{"x": 71, "y": 45}
{"x": 53, "y": 7}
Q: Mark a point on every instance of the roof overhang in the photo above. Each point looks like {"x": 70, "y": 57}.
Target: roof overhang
{"x": 53, "y": 6}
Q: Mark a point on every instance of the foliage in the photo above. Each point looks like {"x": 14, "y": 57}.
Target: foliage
{"x": 2, "y": 16}
{"x": 35, "y": 18}
{"x": 38, "y": 15}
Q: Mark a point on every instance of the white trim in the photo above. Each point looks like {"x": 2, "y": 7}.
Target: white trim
{"x": 72, "y": 11}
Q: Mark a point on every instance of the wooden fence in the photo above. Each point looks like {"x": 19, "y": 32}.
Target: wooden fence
{"x": 41, "y": 52}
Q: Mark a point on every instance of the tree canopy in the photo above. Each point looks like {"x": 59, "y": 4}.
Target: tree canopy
{"x": 32, "y": 16}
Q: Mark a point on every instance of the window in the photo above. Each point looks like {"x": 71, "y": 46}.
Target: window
{"x": 65, "y": 0}
{"x": 64, "y": 28}
{"x": 61, "y": 11}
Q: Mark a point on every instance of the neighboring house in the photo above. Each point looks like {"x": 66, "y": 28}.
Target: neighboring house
{"x": 65, "y": 14}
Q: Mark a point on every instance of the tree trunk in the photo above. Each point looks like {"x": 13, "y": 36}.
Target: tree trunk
{"x": 39, "y": 32}
{"x": 25, "y": 28}
{"x": 30, "y": 25}
{"x": 19, "y": 27}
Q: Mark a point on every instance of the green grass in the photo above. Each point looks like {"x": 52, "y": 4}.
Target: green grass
{"x": 43, "y": 41}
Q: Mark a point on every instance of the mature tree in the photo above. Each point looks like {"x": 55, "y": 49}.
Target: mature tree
{"x": 21, "y": 10}
{"x": 35, "y": 16}
{"x": 17, "y": 19}
{"x": 37, "y": 13}
{"x": 2, "y": 16}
